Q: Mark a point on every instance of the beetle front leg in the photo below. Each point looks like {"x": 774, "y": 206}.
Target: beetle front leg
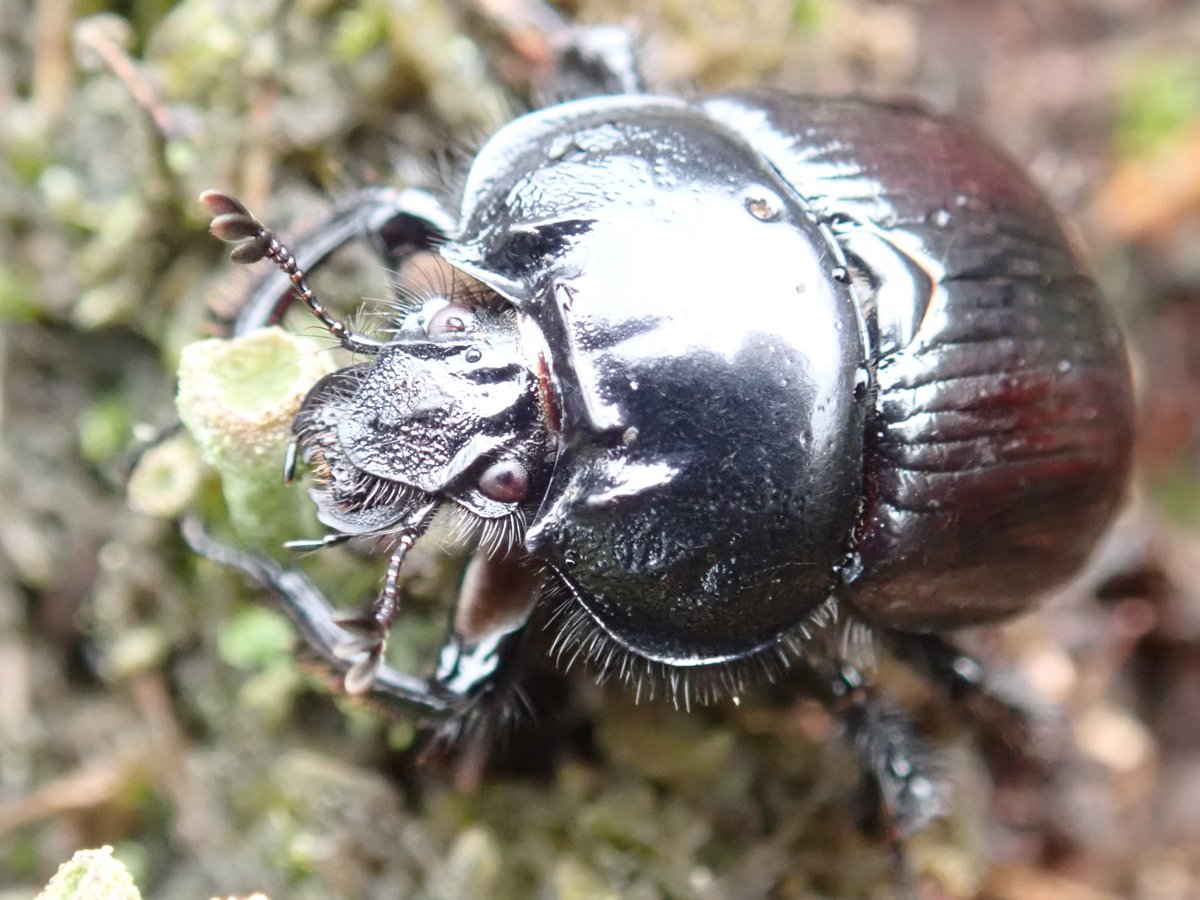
{"x": 315, "y": 620}
{"x": 498, "y": 596}
{"x": 477, "y": 662}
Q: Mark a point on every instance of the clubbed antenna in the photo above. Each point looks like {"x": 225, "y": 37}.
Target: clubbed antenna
{"x": 233, "y": 224}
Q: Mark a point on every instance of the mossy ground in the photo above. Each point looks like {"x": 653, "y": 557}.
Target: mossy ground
{"x": 147, "y": 703}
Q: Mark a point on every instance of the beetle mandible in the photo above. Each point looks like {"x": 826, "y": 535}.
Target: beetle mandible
{"x": 718, "y": 372}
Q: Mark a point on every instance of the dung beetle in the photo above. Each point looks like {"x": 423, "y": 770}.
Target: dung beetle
{"x": 716, "y": 380}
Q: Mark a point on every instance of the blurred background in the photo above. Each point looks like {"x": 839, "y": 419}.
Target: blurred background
{"x": 147, "y": 703}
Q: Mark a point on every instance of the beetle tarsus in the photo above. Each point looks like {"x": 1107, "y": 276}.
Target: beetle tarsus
{"x": 363, "y": 649}
{"x": 371, "y": 631}
{"x": 350, "y": 651}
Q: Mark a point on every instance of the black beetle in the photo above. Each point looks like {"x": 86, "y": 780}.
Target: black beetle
{"x": 713, "y": 375}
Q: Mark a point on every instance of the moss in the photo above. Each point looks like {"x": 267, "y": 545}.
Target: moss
{"x": 1159, "y": 100}
{"x": 91, "y": 875}
{"x": 237, "y": 398}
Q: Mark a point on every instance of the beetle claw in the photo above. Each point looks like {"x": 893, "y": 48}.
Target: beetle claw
{"x": 361, "y": 676}
{"x": 364, "y": 649}
{"x": 354, "y": 647}
{"x": 363, "y": 627}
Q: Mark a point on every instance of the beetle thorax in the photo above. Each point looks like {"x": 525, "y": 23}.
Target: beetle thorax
{"x": 707, "y": 357}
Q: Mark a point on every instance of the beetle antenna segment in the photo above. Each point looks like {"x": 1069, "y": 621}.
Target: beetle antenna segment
{"x": 234, "y": 224}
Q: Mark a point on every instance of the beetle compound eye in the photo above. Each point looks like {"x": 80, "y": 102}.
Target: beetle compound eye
{"x": 450, "y": 320}
{"x": 506, "y": 481}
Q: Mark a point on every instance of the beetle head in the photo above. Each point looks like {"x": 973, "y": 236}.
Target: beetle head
{"x": 446, "y": 411}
